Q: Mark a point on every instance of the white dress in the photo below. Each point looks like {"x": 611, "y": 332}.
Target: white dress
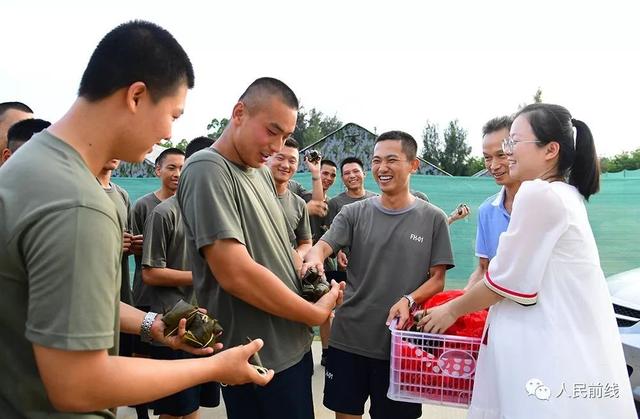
{"x": 552, "y": 345}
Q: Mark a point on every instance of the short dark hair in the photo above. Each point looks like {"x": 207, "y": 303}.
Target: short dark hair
{"x": 166, "y": 153}
{"x": 496, "y": 124}
{"x": 197, "y": 144}
{"x": 22, "y": 131}
{"x": 19, "y": 106}
{"x": 407, "y": 142}
{"x": 291, "y": 142}
{"x": 266, "y": 87}
{"x": 136, "y": 51}
{"x": 351, "y": 160}
{"x": 578, "y": 161}
{"x": 328, "y": 163}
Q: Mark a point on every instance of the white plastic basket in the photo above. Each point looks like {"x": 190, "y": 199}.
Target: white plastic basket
{"x": 430, "y": 368}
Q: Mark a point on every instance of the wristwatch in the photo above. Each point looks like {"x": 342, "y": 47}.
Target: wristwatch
{"x": 145, "y": 327}
{"x": 409, "y": 298}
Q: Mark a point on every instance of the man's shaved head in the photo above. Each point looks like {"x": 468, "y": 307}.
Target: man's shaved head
{"x": 261, "y": 90}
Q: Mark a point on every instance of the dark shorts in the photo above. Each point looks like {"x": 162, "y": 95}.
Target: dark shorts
{"x": 350, "y": 379}
{"x": 288, "y": 395}
{"x": 186, "y": 401}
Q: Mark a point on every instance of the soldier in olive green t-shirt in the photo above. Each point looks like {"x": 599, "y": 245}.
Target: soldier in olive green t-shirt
{"x": 252, "y": 192}
{"x": 165, "y": 247}
{"x": 295, "y": 211}
{"x": 60, "y": 279}
{"x": 168, "y": 168}
{"x": 139, "y": 214}
{"x": 61, "y": 245}
{"x": 284, "y": 165}
{"x": 244, "y": 268}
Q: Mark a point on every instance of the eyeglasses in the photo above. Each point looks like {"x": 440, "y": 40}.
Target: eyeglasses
{"x": 508, "y": 144}
{"x": 391, "y": 161}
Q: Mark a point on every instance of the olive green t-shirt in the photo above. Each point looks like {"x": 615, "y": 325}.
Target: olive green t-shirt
{"x": 337, "y": 202}
{"x": 297, "y": 188}
{"x": 296, "y": 215}
{"x": 420, "y": 195}
{"x": 318, "y": 227}
{"x": 60, "y": 253}
{"x": 220, "y": 200}
{"x": 391, "y": 254}
{"x": 120, "y": 198}
{"x": 165, "y": 246}
{"x": 139, "y": 214}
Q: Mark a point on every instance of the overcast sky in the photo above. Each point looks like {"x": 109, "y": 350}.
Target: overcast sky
{"x": 383, "y": 65}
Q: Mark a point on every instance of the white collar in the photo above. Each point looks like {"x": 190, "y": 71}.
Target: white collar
{"x": 499, "y": 198}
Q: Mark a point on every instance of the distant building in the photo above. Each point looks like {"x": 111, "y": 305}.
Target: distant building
{"x": 354, "y": 140}
{"x": 482, "y": 173}
{"x": 145, "y": 168}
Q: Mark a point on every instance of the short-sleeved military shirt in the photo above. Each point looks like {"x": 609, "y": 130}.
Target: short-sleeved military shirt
{"x": 165, "y": 246}
{"x": 221, "y": 200}
{"x": 296, "y": 215}
{"x": 139, "y": 214}
{"x": 120, "y": 199}
{"x": 60, "y": 253}
{"x": 337, "y": 202}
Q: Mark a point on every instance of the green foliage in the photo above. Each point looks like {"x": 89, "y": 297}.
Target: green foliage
{"x": 313, "y": 125}
{"x": 623, "y": 161}
{"x": 456, "y": 150}
{"x": 182, "y": 145}
{"x": 537, "y": 97}
{"x": 216, "y": 127}
{"x": 474, "y": 165}
{"x": 432, "y": 147}
{"x": 451, "y": 153}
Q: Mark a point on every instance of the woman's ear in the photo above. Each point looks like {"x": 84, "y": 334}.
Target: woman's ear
{"x": 552, "y": 150}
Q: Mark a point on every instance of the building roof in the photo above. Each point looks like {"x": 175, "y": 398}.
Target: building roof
{"x": 364, "y": 129}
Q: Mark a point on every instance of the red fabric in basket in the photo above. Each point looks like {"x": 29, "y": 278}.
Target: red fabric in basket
{"x": 470, "y": 325}
{"x": 430, "y": 375}
{"x": 416, "y": 368}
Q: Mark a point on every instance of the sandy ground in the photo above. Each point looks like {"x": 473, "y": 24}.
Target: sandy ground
{"x": 428, "y": 411}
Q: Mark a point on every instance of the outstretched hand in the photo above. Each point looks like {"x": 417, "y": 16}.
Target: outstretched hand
{"x": 437, "y": 319}
{"x": 232, "y": 367}
{"x": 462, "y": 211}
{"x": 176, "y": 341}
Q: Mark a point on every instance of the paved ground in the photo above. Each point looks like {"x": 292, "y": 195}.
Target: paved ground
{"x": 428, "y": 411}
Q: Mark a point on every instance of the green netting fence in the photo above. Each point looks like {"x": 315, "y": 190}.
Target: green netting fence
{"x": 623, "y": 174}
{"x": 614, "y": 214}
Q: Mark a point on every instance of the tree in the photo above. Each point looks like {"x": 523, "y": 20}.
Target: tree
{"x": 623, "y": 161}
{"x": 452, "y": 152}
{"x": 456, "y": 150}
{"x": 537, "y": 97}
{"x": 432, "y": 146}
{"x": 474, "y": 165}
{"x": 182, "y": 145}
{"x": 216, "y": 126}
{"x": 313, "y": 125}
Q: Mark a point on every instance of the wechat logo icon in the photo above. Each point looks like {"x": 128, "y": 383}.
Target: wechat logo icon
{"x": 536, "y": 387}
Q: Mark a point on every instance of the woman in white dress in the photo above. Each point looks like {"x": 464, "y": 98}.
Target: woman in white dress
{"x": 551, "y": 347}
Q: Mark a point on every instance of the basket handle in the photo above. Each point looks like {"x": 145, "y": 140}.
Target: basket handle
{"x": 394, "y": 324}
